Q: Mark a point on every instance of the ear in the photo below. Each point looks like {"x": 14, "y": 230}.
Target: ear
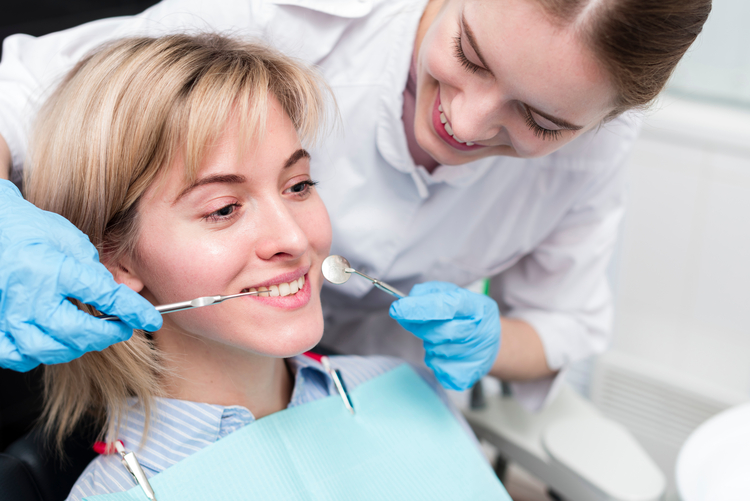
{"x": 125, "y": 271}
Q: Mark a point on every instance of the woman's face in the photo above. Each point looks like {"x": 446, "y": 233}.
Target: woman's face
{"x": 508, "y": 81}
{"x": 248, "y": 221}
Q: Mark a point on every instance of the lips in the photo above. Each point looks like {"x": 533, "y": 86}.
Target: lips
{"x": 443, "y": 129}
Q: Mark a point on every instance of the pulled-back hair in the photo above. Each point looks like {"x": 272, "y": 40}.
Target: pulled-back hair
{"x": 638, "y": 42}
{"x": 124, "y": 114}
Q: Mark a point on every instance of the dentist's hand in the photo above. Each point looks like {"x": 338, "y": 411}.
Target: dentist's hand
{"x": 44, "y": 259}
{"x": 460, "y": 330}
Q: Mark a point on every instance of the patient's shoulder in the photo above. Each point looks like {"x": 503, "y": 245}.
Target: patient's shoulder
{"x": 103, "y": 475}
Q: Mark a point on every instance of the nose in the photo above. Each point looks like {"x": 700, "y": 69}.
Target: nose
{"x": 281, "y": 237}
{"x": 477, "y": 115}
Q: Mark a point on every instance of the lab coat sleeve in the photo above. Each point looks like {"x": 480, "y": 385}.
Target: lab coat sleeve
{"x": 561, "y": 288}
{"x": 32, "y": 66}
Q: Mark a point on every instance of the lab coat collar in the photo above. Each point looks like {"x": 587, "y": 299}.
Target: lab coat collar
{"x": 340, "y": 8}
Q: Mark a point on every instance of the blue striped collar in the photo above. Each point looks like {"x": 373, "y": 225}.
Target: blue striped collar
{"x": 179, "y": 428}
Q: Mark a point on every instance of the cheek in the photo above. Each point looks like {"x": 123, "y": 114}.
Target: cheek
{"x": 534, "y": 147}
{"x": 437, "y": 58}
{"x": 177, "y": 268}
{"x": 317, "y": 227}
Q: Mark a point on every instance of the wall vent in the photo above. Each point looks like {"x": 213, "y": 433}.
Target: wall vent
{"x": 659, "y": 406}
{"x": 655, "y": 402}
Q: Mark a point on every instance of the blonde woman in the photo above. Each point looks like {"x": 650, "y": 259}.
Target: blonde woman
{"x": 181, "y": 159}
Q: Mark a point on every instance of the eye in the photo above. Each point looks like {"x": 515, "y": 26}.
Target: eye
{"x": 458, "y": 51}
{"x": 301, "y": 189}
{"x": 223, "y": 214}
{"x": 538, "y": 130}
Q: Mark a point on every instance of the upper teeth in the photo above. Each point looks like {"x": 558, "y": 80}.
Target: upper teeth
{"x": 284, "y": 289}
{"x": 449, "y": 129}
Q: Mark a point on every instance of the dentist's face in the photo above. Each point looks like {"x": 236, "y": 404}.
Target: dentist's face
{"x": 249, "y": 221}
{"x": 508, "y": 80}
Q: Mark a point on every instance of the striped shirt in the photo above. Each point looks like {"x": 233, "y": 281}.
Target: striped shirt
{"x": 180, "y": 428}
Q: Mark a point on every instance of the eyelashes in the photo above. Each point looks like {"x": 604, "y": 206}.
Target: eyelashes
{"x": 538, "y": 130}
{"x": 458, "y": 52}
{"x": 299, "y": 190}
{"x": 303, "y": 188}
{"x": 225, "y": 213}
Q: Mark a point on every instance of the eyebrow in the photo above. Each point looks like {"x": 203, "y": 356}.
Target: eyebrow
{"x": 236, "y": 178}
{"x": 473, "y": 42}
{"x": 296, "y": 157}
{"x": 212, "y": 179}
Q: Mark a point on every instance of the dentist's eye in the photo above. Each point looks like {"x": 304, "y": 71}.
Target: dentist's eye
{"x": 224, "y": 213}
{"x": 459, "y": 53}
{"x": 302, "y": 189}
{"x": 538, "y": 130}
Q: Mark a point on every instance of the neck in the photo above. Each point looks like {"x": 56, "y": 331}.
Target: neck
{"x": 206, "y": 371}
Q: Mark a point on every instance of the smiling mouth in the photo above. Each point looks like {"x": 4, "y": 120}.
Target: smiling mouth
{"x": 282, "y": 289}
{"x": 445, "y": 132}
{"x": 448, "y": 129}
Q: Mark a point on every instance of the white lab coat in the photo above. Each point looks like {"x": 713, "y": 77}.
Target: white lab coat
{"x": 545, "y": 226}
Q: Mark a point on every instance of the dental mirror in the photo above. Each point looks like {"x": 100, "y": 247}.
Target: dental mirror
{"x": 337, "y": 270}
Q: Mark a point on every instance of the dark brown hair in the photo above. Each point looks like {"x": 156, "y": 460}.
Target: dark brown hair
{"x": 639, "y": 42}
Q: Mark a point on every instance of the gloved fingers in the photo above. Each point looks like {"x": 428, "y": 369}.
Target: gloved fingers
{"x": 31, "y": 340}
{"x": 94, "y": 285}
{"x": 91, "y": 333}
{"x": 9, "y": 189}
{"x": 471, "y": 342}
{"x": 11, "y": 358}
{"x": 454, "y": 374}
{"x": 432, "y": 306}
{"x": 443, "y": 305}
{"x": 441, "y": 332}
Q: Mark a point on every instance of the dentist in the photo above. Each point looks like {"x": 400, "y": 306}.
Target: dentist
{"x": 480, "y": 138}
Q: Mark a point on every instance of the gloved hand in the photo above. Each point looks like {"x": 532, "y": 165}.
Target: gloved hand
{"x": 460, "y": 330}
{"x": 43, "y": 260}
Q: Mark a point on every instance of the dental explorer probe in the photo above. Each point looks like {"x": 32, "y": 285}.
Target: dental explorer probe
{"x": 186, "y": 305}
{"x": 337, "y": 270}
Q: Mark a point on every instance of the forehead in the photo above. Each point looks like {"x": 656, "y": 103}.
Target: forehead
{"x": 541, "y": 62}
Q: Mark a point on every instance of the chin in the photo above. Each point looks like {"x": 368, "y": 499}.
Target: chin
{"x": 293, "y": 342}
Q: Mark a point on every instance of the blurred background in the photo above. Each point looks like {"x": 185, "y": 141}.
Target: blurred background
{"x": 681, "y": 349}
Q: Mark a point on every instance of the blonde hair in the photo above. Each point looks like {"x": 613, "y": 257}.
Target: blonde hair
{"x": 120, "y": 117}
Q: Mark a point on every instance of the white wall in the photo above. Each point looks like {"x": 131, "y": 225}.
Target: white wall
{"x": 718, "y": 64}
{"x": 681, "y": 347}
{"x": 683, "y": 270}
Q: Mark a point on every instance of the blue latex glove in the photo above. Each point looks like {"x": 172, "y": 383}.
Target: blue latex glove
{"x": 460, "y": 330}
{"x": 45, "y": 259}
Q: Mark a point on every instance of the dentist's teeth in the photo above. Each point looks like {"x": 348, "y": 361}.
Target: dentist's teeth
{"x": 273, "y": 291}
{"x": 294, "y": 286}
{"x": 301, "y": 281}
{"x": 263, "y": 289}
{"x": 440, "y": 107}
{"x": 448, "y": 129}
{"x": 443, "y": 119}
{"x": 284, "y": 289}
{"x": 469, "y": 143}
